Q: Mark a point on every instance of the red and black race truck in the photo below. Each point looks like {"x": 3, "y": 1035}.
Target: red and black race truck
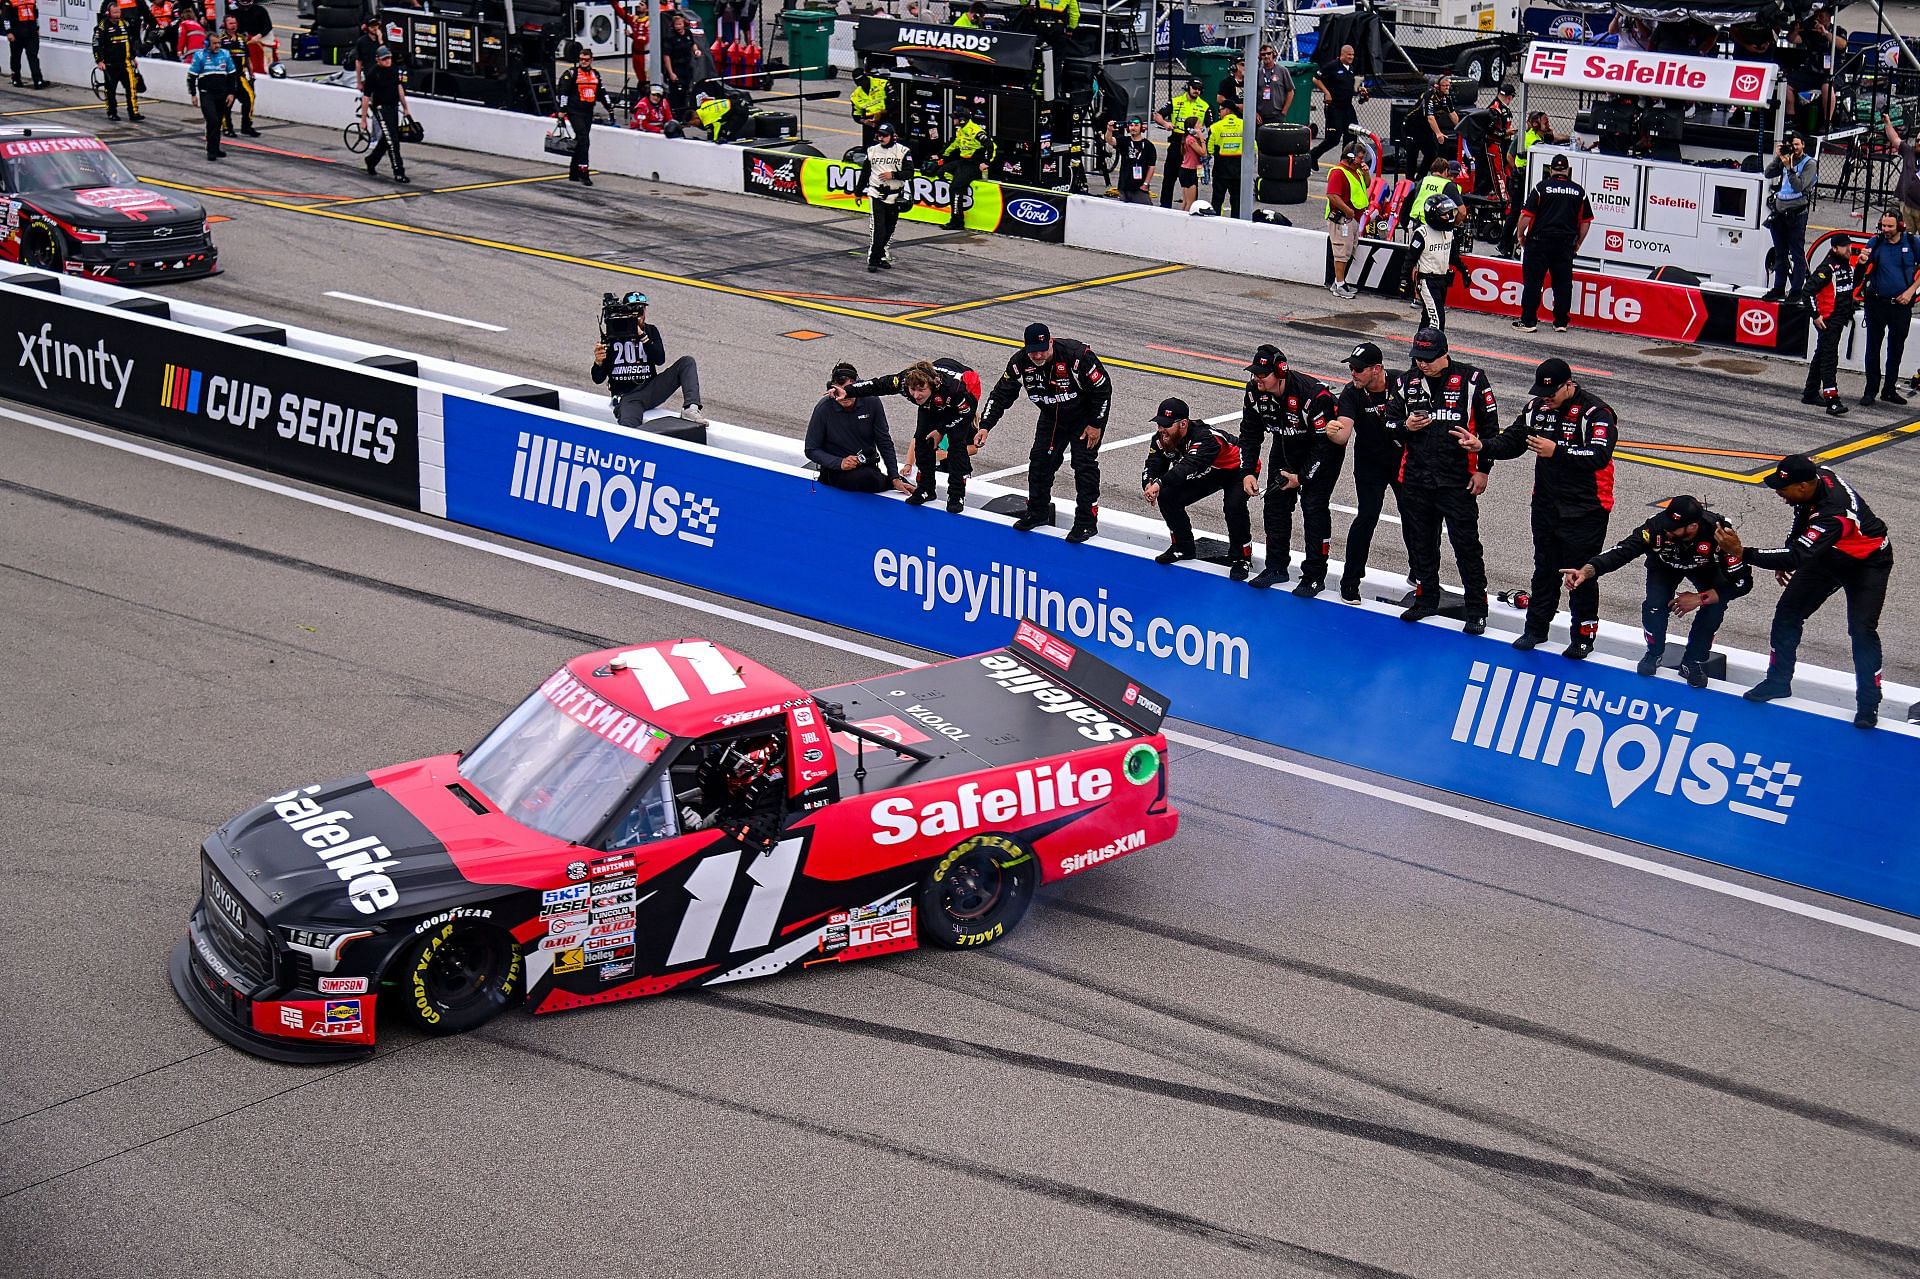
{"x": 67, "y": 204}
{"x": 669, "y": 815}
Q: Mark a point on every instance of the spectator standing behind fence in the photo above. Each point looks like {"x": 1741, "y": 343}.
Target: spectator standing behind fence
{"x": 1179, "y": 117}
{"x": 1907, "y": 192}
{"x": 848, "y": 438}
{"x": 1837, "y": 543}
{"x": 1136, "y": 158}
{"x": 1553, "y": 222}
{"x": 1892, "y": 264}
{"x": 1225, "y": 141}
{"x": 1571, "y": 433}
{"x": 1793, "y": 171}
{"x": 1338, "y": 86}
{"x": 1347, "y": 202}
{"x": 1275, "y": 89}
{"x": 1188, "y": 462}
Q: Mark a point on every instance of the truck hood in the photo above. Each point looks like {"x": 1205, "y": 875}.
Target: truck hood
{"x": 107, "y": 207}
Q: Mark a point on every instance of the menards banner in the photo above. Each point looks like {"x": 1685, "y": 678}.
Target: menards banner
{"x": 1027, "y": 212}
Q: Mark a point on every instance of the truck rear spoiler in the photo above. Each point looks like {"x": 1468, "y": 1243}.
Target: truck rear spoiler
{"x": 1065, "y": 663}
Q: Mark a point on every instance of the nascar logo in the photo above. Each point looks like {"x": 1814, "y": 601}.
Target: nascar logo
{"x": 180, "y": 389}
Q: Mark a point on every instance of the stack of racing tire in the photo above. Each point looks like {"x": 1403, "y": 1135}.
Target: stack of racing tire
{"x": 1285, "y": 165}
{"x": 336, "y": 25}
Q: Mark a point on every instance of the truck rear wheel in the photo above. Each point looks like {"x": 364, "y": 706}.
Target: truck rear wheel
{"x": 459, "y": 976}
{"x": 977, "y": 893}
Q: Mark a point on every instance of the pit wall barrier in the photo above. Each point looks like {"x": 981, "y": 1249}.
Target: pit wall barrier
{"x": 1775, "y": 790}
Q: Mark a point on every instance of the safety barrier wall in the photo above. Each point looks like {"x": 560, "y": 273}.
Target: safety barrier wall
{"x": 1294, "y": 254}
{"x": 1773, "y": 790}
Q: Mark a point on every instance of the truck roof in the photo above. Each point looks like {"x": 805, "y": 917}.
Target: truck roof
{"x": 686, "y": 687}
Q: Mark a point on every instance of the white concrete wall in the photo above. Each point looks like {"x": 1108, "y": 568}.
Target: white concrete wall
{"x": 1295, "y": 254}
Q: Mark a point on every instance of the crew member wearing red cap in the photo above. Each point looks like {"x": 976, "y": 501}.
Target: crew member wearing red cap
{"x": 1837, "y": 544}
{"x": 1434, "y": 409}
{"x": 1571, "y": 434}
{"x": 1189, "y": 461}
{"x": 1296, "y": 411}
{"x": 1068, "y": 384}
{"x": 1685, "y": 542}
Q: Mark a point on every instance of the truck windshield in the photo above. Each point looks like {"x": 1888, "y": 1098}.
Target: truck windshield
{"x": 71, "y": 170}
{"x": 548, "y": 768}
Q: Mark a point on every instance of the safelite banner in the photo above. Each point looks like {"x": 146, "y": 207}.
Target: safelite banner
{"x": 1027, "y": 212}
{"x": 1659, "y": 75}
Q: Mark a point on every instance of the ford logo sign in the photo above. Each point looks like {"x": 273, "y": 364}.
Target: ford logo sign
{"x": 1033, "y": 212}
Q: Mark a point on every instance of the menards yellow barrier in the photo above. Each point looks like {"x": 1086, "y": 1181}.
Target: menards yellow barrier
{"x": 1028, "y": 212}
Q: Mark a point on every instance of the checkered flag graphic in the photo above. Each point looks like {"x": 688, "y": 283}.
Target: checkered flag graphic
{"x": 700, "y": 515}
{"x": 1767, "y": 783}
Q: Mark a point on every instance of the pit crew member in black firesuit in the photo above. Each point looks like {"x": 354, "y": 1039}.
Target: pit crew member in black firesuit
{"x": 1683, "y": 543}
{"x": 580, "y": 91}
{"x": 1190, "y": 461}
{"x": 1362, "y": 418}
{"x": 1571, "y": 433}
{"x": 947, "y": 411}
{"x": 1835, "y": 286}
{"x": 1302, "y": 466}
{"x": 20, "y": 19}
{"x": 1068, "y": 384}
{"x": 1433, "y": 407}
{"x": 116, "y": 53}
{"x": 628, "y": 360}
{"x": 848, "y": 438}
{"x": 385, "y": 96}
{"x": 884, "y": 176}
{"x": 1837, "y": 544}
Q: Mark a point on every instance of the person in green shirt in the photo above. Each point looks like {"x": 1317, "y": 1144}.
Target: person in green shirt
{"x": 965, "y": 157}
{"x": 869, "y": 104}
{"x": 1225, "y": 141}
{"x": 974, "y": 18}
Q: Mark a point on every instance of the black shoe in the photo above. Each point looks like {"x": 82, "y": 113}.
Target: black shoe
{"x": 1529, "y": 641}
{"x": 1271, "y": 575}
{"x": 1773, "y": 294}
{"x": 402, "y": 179}
{"x": 1475, "y": 625}
{"x": 1866, "y": 717}
{"x": 1866, "y": 401}
{"x": 1649, "y": 661}
{"x": 1237, "y": 570}
{"x": 585, "y": 181}
{"x": 919, "y": 497}
{"x": 1526, "y": 326}
{"x": 886, "y": 264}
{"x": 18, "y": 83}
{"x": 1349, "y": 594}
{"x": 1913, "y": 713}
{"x": 1812, "y": 397}
{"x": 1768, "y": 689}
{"x": 1695, "y": 673}
{"x": 251, "y": 132}
{"x": 1892, "y": 396}
{"x": 1174, "y": 554}
{"x": 1559, "y": 327}
{"x": 135, "y": 115}
{"x": 373, "y": 166}
{"x": 41, "y": 84}
{"x": 1579, "y": 650}
{"x": 1083, "y": 530}
{"x": 955, "y": 505}
{"x": 1308, "y": 588}
{"x": 113, "y": 115}
{"x": 1032, "y": 519}
{"x": 226, "y": 132}
{"x": 1420, "y": 608}
{"x": 873, "y": 268}
{"x": 1837, "y": 409}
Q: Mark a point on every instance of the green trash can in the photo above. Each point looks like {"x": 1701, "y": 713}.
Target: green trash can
{"x": 1209, "y": 64}
{"x": 703, "y": 17}
{"x": 1302, "y": 73}
{"x": 808, "y": 32}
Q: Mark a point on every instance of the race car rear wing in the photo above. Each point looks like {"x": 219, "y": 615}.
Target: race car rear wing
{"x": 1064, "y": 663}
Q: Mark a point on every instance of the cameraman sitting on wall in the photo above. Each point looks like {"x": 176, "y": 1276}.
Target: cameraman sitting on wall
{"x": 628, "y": 357}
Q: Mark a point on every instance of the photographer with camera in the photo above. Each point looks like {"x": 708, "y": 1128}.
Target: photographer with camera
{"x": 1795, "y": 172}
{"x": 628, "y": 358}
{"x": 849, "y": 440}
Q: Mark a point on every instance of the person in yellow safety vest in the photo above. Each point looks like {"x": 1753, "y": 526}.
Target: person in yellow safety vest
{"x": 717, "y": 116}
{"x": 869, "y": 101}
{"x": 1225, "y": 141}
{"x": 1066, "y": 13}
{"x": 1538, "y": 130}
{"x": 236, "y": 44}
{"x": 1188, "y": 108}
{"x": 1435, "y": 183}
{"x": 1347, "y": 202}
{"x": 966, "y": 155}
{"x": 974, "y": 18}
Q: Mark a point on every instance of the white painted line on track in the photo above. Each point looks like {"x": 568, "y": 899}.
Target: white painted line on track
{"x": 1420, "y": 803}
{"x": 414, "y": 310}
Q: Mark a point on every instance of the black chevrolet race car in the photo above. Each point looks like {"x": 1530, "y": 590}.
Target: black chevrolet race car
{"x": 67, "y": 204}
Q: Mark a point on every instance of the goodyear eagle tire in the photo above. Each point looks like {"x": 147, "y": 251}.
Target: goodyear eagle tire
{"x": 977, "y": 893}
{"x": 458, "y": 976}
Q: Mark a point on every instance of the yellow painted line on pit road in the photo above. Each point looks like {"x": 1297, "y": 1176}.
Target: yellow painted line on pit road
{"x": 664, "y": 277}
{"x": 1070, "y": 287}
{"x": 1833, "y": 453}
{"x": 1879, "y": 439}
{"x": 84, "y": 106}
{"x": 470, "y": 186}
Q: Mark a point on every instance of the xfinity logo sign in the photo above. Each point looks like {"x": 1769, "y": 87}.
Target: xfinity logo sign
{"x": 618, "y": 490}
{"x": 44, "y": 357}
{"x": 1632, "y": 742}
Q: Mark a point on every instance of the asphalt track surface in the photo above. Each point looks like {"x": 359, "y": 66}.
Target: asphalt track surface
{"x": 513, "y": 246}
{"x": 1318, "y": 1033}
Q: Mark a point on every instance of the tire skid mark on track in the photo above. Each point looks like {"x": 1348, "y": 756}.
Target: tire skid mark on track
{"x": 1133, "y": 1210}
{"x": 1660, "y": 1194}
{"x": 1798, "y": 1107}
{"x": 1198, "y": 814}
{"x": 92, "y": 1092}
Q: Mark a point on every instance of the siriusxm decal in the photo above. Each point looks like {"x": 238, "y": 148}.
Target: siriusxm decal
{"x": 610, "y": 485}
{"x": 1032, "y": 212}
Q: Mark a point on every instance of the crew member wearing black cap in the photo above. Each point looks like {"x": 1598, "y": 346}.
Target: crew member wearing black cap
{"x": 1571, "y": 434}
{"x": 1295, "y": 410}
{"x": 580, "y": 88}
{"x": 1176, "y": 117}
{"x": 1835, "y": 287}
{"x": 1837, "y": 544}
{"x": 1553, "y": 221}
{"x": 1687, "y": 543}
{"x": 883, "y": 177}
{"x": 1068, "y": 384}
{"x": 848, "y": 439}
{"x": 1135, "y": 160}
{"x": 1361, "y": 418}
{"x": 1434, "y": 408}
{"x": 1189, "y": 461}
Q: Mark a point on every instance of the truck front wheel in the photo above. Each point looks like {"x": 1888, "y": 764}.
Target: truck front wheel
{"x": 977, "y": 893}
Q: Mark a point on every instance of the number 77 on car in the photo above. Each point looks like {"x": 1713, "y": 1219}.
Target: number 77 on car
{"x": 670, "y": 815}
